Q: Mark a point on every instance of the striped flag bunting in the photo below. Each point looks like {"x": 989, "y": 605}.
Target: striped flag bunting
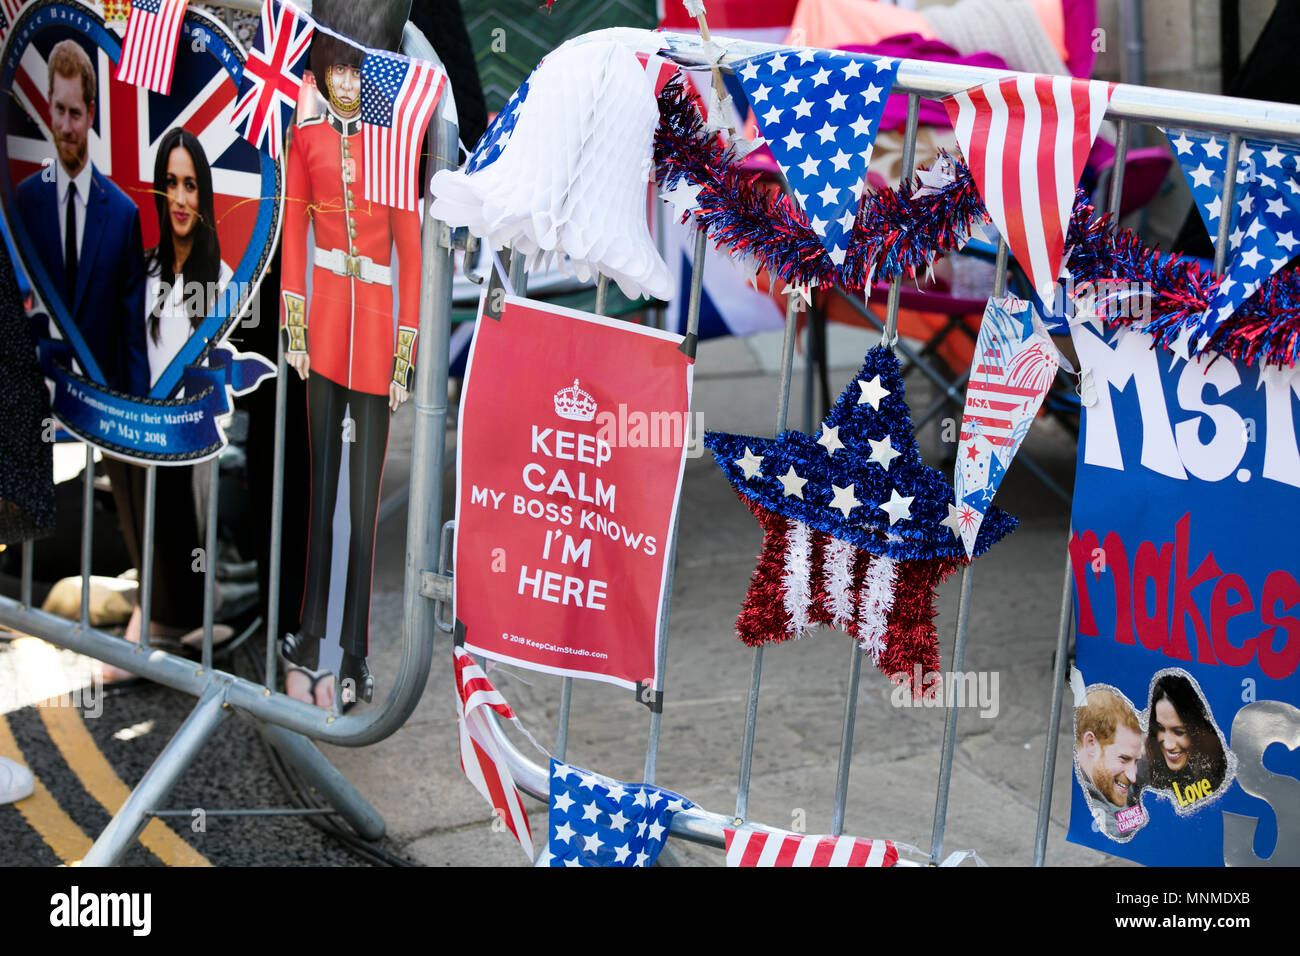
{"x": 398, "y": 96}
{"x": 1025, "y": 139}
{"x": 751, "y": 846}
{"x": 1014, "y": 366}
{"x": 149, "y": 48}
{"x": 268, "y": 90}
{"x": 480, "y": 758}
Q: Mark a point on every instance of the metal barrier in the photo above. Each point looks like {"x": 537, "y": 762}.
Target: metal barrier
{"x": 1128, "y": 105}
{"x": 287, "y": 722}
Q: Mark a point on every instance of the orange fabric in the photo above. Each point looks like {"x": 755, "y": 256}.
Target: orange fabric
{"x": 837, "y": 23}
{"x": 834, "y": 23}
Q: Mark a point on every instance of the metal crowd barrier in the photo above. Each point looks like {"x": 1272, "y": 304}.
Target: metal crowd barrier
{"x": 1129, "y": 105}
{"x": 288, "y": 723}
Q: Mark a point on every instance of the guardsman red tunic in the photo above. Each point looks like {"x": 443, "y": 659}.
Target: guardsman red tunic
{"x": 352, "y": 340}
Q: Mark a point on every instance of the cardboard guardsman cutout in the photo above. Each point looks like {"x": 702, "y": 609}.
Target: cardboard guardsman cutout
{"x": 351, "y": 329}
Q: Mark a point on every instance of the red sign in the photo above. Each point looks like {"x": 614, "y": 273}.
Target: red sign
{"x": 573, "y": 436}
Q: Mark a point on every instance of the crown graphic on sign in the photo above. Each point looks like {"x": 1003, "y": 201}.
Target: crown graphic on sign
{"x": 573, "y": 403}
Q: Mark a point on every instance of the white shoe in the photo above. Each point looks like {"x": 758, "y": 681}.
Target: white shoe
{"x": 16, "y": 781}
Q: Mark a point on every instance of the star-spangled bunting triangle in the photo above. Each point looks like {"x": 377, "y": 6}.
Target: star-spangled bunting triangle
{"x": 1025, "y": 139}
{"x": 1014, "y": 366}
{"x": 597, "y": 821}
{"x": 1264, "y": 231}
{"x": 819, "y": 112}
{"x": 853, "y": 521}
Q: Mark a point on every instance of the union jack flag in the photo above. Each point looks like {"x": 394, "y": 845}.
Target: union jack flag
{"x": 752, "y": 846}
{"x": 149, "y": 50}
{"x": 268, "y": 91}
{"x": 398, "y": 96}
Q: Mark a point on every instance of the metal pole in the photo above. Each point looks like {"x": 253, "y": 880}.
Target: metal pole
{"x": 157, "y": 783}
{"x": 661, "y": 655}
{"x": 277, "y": 521}
{"x": 87, "y": 533}
{"x": 210, "y": 561}
{"x": 1054, "y": 721}
{"x": 325, "y": 778}
{"x": 566, "y": 684}
{"x": 756, "y": 668}
{"x": 888, "y": 337}
{"x": 959, "y": 641}
{"x": 1225, "y": 212}
{"x": 1067, "y": 589}
{"x": 146, "y": 554}
{"x": 29, "y": 557}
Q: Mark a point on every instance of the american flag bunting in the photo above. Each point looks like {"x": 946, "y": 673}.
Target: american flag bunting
{"x": 755, "y": 846}
{"x": 9, "y": 12}
{"x": 398, "y": 96}
{"x": 149, "y": 48}
{"x": 480, "y": 758}
{"x": 1025, "y": 139}
{"x": 1014, "y": 366}
{"x": 1262, "y": 235}
{"x": 597, "y": 821}
{"x": 268, "y": 91}
{"x": 819, "y": 113}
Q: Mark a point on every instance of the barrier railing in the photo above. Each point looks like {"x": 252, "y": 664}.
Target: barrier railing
{"x": 1128, "y": 105}
{"x": 288, "y": 722}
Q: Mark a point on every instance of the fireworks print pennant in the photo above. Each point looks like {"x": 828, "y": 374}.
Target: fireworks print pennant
{"x": 819, "y": 112}
{"x": 1265, "y": 217}
{"x": 1014, "y": 366}
{"x": 1025, "y": 139}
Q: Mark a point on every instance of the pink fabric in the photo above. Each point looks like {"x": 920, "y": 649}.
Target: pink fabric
{"x": 1079, "y": 19}
{"x": 724, "y": 15}
{"x": 913, "y": 46}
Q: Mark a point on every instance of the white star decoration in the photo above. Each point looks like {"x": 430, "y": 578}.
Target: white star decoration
{"x": 684, "y": 197}
{"x": 897, "y": 507}
{"x": 882, "y": 452}
{"x": 830, "y": 439}
{"x": 953, "y": 521}
{"x": 844, "y": 500}
{"x": 750, "y": 464}
{"x": 872, "y": 392}
{"x": 791, "y": 484}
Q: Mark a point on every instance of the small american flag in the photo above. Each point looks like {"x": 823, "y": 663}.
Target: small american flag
{"x": 480, "y": 758}
{"x": 149, "y": 49}
{"x": 751, "y": 846}
{"x": 1026, "y": 139}
{"x": 398, "y": 96}
{"x": 9, "y": 10}
{"x": 268, "y": 91}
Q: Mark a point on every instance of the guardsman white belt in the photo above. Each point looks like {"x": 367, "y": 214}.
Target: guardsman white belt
{"x": 363, "y": 268}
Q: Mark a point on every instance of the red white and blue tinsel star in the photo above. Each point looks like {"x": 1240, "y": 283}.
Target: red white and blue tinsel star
{"x": 819, "y": 113}
{"x": 853, "y": 521}
{"x": 1265, "y": 227}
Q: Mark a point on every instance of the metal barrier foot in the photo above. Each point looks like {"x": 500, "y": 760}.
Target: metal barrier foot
{"x": 325, "y": 777}
{"x": 157, "y": 783}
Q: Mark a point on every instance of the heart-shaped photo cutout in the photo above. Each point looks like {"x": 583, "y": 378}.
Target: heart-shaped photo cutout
{"x": 169, "y": 215}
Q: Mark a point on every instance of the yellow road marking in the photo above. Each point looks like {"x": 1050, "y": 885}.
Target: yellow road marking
{"x": 42, "y": 813}
{"x": 39, "y": 664}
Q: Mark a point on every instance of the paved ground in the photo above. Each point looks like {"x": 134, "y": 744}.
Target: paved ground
{"x": 435, "y": 817}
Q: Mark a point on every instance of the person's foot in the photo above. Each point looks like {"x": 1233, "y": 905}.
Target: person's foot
{"x": 115, "y": 675}
{"x": 310, "y": 687}
{"x": 16, "y": 781}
